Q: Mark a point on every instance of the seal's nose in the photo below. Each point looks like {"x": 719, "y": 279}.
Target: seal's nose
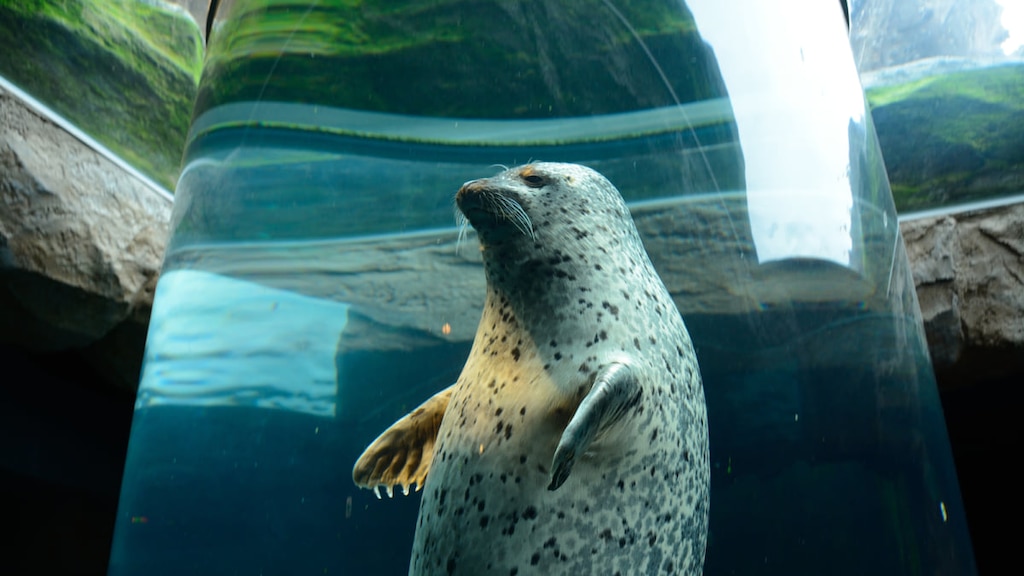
{"x": 470, "y": 187}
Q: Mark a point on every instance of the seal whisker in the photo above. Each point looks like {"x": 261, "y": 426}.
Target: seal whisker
{"x": 462, "y": 223}
{"x": 512, "y": 211}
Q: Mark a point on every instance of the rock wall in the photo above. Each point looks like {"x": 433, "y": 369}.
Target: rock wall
{"x": 890, "y": 32}
{"x": 969, "y": 272}
{"x": 81, "y": 244}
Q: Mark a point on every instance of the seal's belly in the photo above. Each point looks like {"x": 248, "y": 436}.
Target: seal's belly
{"x": 486, "y": 508}
{"x": 490, "y": 524}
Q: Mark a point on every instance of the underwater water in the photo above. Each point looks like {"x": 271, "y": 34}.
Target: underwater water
{"x": 272, "y": 362}
{"x": 316, "y": 289}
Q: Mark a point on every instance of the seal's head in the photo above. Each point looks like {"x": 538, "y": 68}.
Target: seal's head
{"x": 542, "y": 202}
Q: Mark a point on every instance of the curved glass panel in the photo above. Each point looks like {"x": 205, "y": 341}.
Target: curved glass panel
{"x": 316, "y": 289}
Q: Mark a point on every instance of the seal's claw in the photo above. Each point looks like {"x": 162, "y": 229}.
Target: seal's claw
{"x": 561, "y": 466}
{"x": 401, "y": 456}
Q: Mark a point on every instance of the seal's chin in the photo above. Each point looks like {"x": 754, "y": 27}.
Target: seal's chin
{"x": 476, "y": 212}
{"x": 490, "y": 227}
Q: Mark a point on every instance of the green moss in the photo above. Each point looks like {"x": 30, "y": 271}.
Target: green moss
{"x": 127, "y": 72}
{"x": 998, "y": 85}
{"x": 458, "y": 58}
{"x": 123, "y": 71}
{"x": 952, "y": 138}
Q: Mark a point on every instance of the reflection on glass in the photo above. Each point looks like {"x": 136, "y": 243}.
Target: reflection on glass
{"x": 315, "y": 288}
{"x": 793, "y": 160}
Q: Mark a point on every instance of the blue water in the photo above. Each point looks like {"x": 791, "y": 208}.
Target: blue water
{"x": 289, "y": 330}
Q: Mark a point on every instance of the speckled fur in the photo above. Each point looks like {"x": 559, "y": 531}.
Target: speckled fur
{"x": 578, "y": 295}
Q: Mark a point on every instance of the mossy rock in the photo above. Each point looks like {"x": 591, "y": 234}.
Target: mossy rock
{"x": 125, "y": 72}
{"x": 461, "y": 59}
{"x": 953, "y": 138}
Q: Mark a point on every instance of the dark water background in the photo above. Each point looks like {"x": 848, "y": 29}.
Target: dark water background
{"x": 852, "y": 486}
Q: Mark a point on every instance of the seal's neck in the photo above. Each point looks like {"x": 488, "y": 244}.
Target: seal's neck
{"x": 544, "y": 301}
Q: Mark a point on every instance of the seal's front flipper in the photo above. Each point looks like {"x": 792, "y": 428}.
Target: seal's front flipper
{"x": 401, "y": 455}
{"x": 614, "y": 393}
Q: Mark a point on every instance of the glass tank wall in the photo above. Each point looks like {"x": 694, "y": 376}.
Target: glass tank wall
{"x": 945, "y": 82}
{"x": 315, "y": 288}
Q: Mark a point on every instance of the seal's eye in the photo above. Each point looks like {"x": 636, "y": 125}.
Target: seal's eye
{"x": 534, "y": 181}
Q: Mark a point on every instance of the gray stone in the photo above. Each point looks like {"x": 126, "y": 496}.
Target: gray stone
{"x": 969, "y": 272}
{"x": 81, "y": 241}
{"x": 889, "y": 32}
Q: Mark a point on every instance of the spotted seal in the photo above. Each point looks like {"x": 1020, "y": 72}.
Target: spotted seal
{"x": 575, "y": 439}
